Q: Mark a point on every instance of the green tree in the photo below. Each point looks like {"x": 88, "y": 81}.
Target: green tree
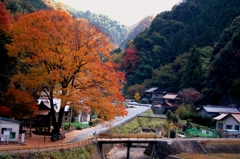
{"x": 193, "y": 76}
{"x": 172, "y": 117}
{"x": 183, "y": 111}
{"x": 223, "y": 74}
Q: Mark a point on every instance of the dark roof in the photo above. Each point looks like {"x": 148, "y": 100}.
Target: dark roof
{"x": 219, "y": 109}
{"x": 11, "y": 120}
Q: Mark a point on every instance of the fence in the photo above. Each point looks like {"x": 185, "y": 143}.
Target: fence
{"x": 47, "y": 148}
{"x": 121, "y": 136}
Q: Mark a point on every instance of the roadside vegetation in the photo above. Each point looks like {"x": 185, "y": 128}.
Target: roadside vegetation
{"x": 136, "y": 125}
{"x": 80, "y": 152}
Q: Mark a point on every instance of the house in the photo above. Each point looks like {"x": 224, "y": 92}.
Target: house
{"x": 155, "y": 95}
{"x": 230, "y": 123}
{"x": 9, "y": 129}
{"x": 44, "y": 107}
{"x": 171, "y": 99}
{"x": 213, "y": 111}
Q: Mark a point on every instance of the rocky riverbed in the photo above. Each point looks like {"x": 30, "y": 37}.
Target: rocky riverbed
{"x": 120, "y": 152}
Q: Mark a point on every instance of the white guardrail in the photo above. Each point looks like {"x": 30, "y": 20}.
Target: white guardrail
{"x": 137, "y": 104}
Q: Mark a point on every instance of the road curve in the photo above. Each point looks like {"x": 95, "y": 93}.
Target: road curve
{"x": 87, "y": 133}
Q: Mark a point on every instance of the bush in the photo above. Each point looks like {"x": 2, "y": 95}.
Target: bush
{"x": 172, "y": 117}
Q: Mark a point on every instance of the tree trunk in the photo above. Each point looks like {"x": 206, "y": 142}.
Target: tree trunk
{"x": 53, "y": 114}
{"x": 60, "y": 116}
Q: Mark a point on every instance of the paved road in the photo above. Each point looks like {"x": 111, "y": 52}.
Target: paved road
{"x": 87, "y": 133}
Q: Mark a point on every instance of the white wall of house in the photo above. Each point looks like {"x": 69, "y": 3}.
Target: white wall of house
{"x": 228, "y": 123}
{"x": 13, "y": 127}
{"x": 82, "y": 117}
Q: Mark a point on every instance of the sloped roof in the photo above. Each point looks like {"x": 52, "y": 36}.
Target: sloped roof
{"x": 46, "y": 102}
{"x": 169, "y": 104}
{"x": 236, "y": 116}
{"x": 220, "y": 117}
{"x": 220, "y": 109}
{"x": 170, "y": 96}
{"x": 56, "y": 101}
{"x": 152, "y": 89}
{"x": 11, "y": 120}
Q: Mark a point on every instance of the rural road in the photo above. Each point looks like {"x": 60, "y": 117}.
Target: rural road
{"x": 87, "y": 133}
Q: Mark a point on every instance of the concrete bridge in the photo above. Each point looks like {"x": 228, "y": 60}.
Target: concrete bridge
{"x": 135, "y": 141}
{"x": 128, "y": 139}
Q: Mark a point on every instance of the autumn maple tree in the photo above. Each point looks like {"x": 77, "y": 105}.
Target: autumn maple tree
{"x": 4, "y": 17}
{"x": 20, "y": 104}
{"x": 131, "y": 59}
{"x": 66, "y": 58}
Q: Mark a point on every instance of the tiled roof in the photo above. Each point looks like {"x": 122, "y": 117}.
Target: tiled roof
{"x": 220, "y": 109}
{"x": 170, "y": 96}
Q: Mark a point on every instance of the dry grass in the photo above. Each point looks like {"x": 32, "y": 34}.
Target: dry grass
{"x": 220, "y": 142}
{"x": 38, "y": 140}
{"x": 209, "y": 156}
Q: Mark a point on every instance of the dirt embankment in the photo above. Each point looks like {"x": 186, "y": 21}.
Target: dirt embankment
{"x": 165, "y": 151}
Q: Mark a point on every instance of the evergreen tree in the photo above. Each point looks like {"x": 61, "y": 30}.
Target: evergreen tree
{"x": 193, "y": 72}
{"x": 222, "y": 82}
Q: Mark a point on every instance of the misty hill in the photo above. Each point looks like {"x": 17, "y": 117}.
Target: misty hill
{"x": 136, "y": 29}
{"x": 113, "y": 29}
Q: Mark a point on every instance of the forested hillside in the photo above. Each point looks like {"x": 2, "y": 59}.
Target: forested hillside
{"x": 113, "y": 29}
{"x": 141, "y": 26}
{"x": 160, "y": 54}
{"x": 29, "y": 6}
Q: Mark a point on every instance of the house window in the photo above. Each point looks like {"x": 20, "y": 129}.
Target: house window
{"x": 236, "y": 127}
{"x": 228, "y": 126}
{"x": 220, "y": 125}
{"x": 6, "y": 129}
{"x": 12, "y": 135}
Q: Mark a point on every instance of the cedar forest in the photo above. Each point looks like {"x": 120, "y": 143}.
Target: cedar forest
{"x": 47, "y": 52}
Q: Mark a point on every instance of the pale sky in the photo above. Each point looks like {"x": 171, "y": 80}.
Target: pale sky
{"x": 127, "y": 12}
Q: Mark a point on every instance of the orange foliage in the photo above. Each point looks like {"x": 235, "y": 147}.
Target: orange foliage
{"x": 67, "y": 58}
{"x": 20, "y": 103}
{"x": 5, "y": 111}
{"x": 131, "y": 58}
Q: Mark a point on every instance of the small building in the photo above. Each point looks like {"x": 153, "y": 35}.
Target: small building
{"x": 155, "y": 95}
{"x": 9, "y": 129}
{"x": 229, "y": 123}
{"x": 171, "y": 99}
{"x": 44, "y": 107}
{"x": 213, "y": 111}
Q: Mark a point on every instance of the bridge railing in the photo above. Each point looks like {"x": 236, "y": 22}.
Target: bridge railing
{"x": 46, "y": 148}
{"x": 121, "y": 136}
